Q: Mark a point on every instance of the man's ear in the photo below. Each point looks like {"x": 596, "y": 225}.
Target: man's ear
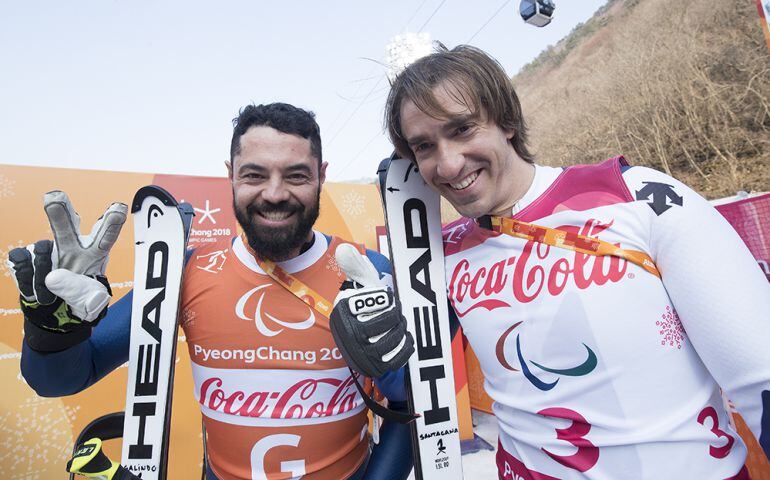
{"x": 229, "y": 169}
{"x": 322, "y": 172}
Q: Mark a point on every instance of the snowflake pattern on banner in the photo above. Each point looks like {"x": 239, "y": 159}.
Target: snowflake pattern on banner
{"x": 671, "y": 328}
{"x": 49, "y": 440}
{"x": 371, "y": 225}
{"x": 6, "y": 187}
{"x": 331, "y": 264}
{"x": 353, "y": 204}
{"x": 188, "y": 317}
{"x": 4, "y": 256}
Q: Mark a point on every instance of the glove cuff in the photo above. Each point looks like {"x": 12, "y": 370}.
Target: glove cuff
{"x": 47, "y": 341}
{"x": 103, "y": 280}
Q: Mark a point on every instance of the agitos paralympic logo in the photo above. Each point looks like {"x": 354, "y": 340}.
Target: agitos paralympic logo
{"x": 588, "y": 365}
{"x": 260, "y": 314}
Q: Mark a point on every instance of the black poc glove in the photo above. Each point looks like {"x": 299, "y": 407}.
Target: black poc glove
{"x": 62, "y": 287}
{"x": 366, "y": 322}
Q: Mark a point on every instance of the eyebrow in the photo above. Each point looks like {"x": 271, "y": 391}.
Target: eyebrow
{"x": 457, "y": 121}
{"x": 450, "y": 124}
{"x": 416, "y": 140}
{"x": 297, "y": 167}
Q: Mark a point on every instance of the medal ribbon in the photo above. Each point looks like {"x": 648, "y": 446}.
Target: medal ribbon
{"x": 571, "y": 241}
{"x": 296, "y": 286}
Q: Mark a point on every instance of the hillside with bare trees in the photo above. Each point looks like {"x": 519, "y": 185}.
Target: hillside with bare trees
{"x": 683, "y": 87}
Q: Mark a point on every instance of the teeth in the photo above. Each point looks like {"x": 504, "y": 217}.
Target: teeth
{"x": 276, "y": 216}
{"x": 465, "y": 182}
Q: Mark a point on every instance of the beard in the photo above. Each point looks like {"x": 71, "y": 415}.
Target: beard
{"x": 277, "y": 243}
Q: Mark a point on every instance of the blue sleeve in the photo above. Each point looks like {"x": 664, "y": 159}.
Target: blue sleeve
{"x": 392, "y": 383}
{"x": 380, "y": 263}
{"x": 392, "y": 458}
{"x": 75, "y": 369}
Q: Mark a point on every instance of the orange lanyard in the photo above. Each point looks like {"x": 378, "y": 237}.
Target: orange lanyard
{"x": 571, "y": 241}
{"x": 300, "y": 289}
{"x": 296, "y": 286}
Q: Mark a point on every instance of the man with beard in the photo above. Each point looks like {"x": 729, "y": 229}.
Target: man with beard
{"x": 276, "y": 396}
{"x": 607, "y": 304}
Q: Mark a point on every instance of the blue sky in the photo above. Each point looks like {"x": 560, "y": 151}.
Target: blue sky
{"x": 152, "y": 86}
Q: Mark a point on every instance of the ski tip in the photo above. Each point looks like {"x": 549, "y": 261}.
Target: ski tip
{"x": 383, "y": 166}
{"x": 152, "y": 191}
{"x": 187, "y": 209}
{"x": 382, "y": 172}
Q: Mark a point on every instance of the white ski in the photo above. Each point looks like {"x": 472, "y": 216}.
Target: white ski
{"x": 159, "y": 250}
{"x": 413, "y": 221}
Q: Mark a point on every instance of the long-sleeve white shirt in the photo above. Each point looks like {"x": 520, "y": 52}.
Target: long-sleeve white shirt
{"x": 598, "y": 368}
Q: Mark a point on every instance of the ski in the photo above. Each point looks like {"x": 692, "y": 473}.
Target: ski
{"x": 160, "y": 233}
{"x": 413, "y": 223}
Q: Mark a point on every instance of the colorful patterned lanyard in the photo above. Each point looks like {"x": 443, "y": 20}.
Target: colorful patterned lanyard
{"x": 571, "y": 241}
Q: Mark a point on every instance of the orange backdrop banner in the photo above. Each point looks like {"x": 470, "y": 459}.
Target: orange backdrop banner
{"x": 38, "y": 433}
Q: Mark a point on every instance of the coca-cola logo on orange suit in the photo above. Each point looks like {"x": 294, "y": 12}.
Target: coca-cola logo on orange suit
{"x": 306, "y": 398}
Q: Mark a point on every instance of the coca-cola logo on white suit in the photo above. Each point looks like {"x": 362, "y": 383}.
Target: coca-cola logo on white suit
{"x": 529, "y": 275}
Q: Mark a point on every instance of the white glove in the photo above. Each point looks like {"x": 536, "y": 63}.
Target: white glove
{"x": 77, "y": 260}
{"x": 366, "y": 322}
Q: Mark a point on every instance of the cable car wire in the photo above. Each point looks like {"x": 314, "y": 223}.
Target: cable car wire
{"x": 363, "y": 100}
{"x": 431, "y": 15}
{"x": 487, "y": 22}
{"x": 413, "y": 15}
{"x": 339, "y": 115}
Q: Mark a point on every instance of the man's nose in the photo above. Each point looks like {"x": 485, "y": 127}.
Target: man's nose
{"x": 275, "y": 191}
{"x": 450, "y": 162}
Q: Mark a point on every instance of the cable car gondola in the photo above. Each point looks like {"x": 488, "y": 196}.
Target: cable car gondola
{"x": 537, "y": 12}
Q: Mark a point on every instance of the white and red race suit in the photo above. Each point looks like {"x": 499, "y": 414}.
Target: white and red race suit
{"x": 598, "y": 368}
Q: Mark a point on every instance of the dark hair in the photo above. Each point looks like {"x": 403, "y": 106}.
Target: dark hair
{"x": 280, "y": 116}
{"x": 475, "y": 79}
